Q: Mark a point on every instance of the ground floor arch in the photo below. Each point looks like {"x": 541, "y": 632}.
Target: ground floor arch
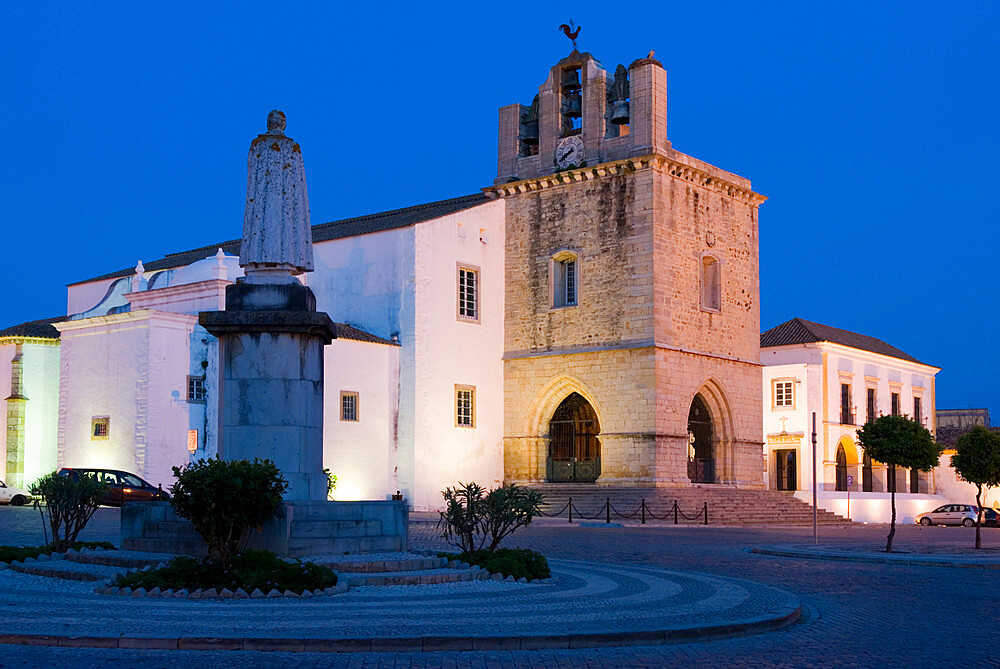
{"x": 710, "y": 436}
{"x": 574, "y": 453}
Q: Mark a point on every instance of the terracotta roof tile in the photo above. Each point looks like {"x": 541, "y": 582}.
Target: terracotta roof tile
{"x": 41, "y": 329}
{"x": 800, "y": 331}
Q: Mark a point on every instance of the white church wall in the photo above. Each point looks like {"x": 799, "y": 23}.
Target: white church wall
{"x": 452, "y": 351}
{"x": 83, "y": 296}
{"x": 361, "y": 453}
{"x": 953, "y": 489}
{"x": 41, "y": 386}
{"x": 6, "y": 355}
{"x": 106, "y": 371}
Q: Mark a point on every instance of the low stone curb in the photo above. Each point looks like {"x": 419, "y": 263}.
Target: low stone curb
{"x": 788, "y": 615}
{"x": 484, "y": 575}
{"x": 212, "y": 594}
{"x": 919, "y": 560}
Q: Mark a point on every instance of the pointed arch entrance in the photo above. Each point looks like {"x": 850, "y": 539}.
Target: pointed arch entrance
{"x": 701, "y": 445}
{"x": 574, "y": 447}
{"x": 841, "y": 468}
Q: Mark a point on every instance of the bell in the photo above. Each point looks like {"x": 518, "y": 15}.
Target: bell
{"x": 619, "y": 112}
{"x": 529, "y": 132}
{"x": 572, "y": 106}
{"x": 571, "y": 81}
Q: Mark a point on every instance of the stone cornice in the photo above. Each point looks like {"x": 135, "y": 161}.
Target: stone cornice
{"x": 40, "y": 341}
{"x": 125, "y": 317}
{"x": 675, "y": 168}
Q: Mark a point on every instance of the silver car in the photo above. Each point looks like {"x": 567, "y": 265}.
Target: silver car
{"x": 950, "y": 514}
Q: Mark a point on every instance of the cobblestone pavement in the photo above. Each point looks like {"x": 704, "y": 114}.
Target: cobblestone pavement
{"x": 860, "y": 615}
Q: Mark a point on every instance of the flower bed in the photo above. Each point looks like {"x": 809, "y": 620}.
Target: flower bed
{"x": 22, "y": 553}
{"x": 516, "y": 562}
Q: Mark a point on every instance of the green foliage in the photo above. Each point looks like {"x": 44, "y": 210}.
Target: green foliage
{"x": 516, "y": 562}
{"x": 70, "y": 503}
{"x": 22, "y": 553}
{"x": 899, "y": 442}
{"x": 331, "y": 483}
{"x": 977, "y": 461}
{"x": 226, "y": 499}
{"x": 249, "y": 570}
{"x": 473, "y": 520}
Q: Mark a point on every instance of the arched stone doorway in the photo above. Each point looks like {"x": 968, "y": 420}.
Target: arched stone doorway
{"x": 574, "y": 447}
{"x": 701, "y": 443}
{"x": 841, "y": 468}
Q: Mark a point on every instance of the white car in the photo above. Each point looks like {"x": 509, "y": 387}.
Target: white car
{"x": 13, "y": 496}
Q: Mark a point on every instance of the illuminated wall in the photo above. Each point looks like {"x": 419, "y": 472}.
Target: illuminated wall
{"x": 40, "y": 379}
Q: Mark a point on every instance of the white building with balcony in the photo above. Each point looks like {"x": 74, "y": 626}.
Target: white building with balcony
{"x": 846, "y": 379}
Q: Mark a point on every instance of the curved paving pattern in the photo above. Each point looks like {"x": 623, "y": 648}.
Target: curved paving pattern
{"x": 982, "y": 559}
{"x": 589, "y": 604}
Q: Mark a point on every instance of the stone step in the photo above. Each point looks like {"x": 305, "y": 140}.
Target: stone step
{"x": 416, "y": 577}
{"x": 68, "y": 570}
{"x": 382, "y": 566}
{"x": 125, "y": 559}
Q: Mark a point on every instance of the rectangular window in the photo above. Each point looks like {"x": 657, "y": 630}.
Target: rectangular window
{"x": 468, "y": 293}
{"x": 870, "y": 406}
{"x": 711, "y": 284}
{"x": 895, "y": 404}
{"x": 564, "y": 280}
{"x": 465, "y": 406}
{"x": 917, "y": 410}
{"x": 196, "y": 389}
{"x": 348, "y": 406}
{"x": 100, "y": 427}
{"x": 846, "y": 417}
{"x": 783, "y": 393}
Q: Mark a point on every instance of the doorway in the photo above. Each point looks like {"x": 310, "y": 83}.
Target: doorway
{"x": 785, "y": 471}
{"x": 701, "y": 450}
{"x": 574, "y": 447}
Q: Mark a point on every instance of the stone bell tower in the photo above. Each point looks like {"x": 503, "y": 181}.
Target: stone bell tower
{"x": 631, "y": 324}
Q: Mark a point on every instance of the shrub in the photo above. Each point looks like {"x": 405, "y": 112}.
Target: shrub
{"x": 473, "y": 521}
{"x": 977, "y": 461}
{"x": 248, "y": 570}
{"x": 11, "y": 553}
{"x": 516, "y": 562}
{"x": 331, "y": 483}
{"x": 70, "y": 503}
{"x": 226, "y": 499}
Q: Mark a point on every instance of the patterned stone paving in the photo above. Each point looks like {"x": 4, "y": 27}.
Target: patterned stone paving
{"x": 859, "y": 615}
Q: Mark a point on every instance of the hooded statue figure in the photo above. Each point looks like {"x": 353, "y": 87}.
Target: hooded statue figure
{"x": 277, "y": 236}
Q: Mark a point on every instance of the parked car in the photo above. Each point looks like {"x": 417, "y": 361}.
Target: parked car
{"x": 122, "y": 486}
{"x": 991, "y": 518}
{"x": 14, "y": 496}
{"x": 957, "y": 514}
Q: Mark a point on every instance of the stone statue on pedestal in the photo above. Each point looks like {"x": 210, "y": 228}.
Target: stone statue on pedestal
{"x": 277, "y": 236}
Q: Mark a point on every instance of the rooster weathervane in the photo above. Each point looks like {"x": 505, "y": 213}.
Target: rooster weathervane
{"x": 571, "y": 31}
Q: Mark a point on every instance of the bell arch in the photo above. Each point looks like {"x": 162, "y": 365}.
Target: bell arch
{"x": 712, "y": 398}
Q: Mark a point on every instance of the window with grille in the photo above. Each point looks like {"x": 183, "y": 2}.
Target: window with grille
{"x": 465, "y": 406}
{"x": 564, "y": 280}
{"x": 100, "y": 427}
{"x": 895, "y": 404}
{"x": 348, "y": 406}
{"x": 917, "y": 410}
{"x": 468, "y": 293}
{"x": 846, "y": 417}
{"x": 870, "y": 407}
{"x": 196, "y": 389}
{"x": 783, "y": 393}
{"x": 711, "y": 284}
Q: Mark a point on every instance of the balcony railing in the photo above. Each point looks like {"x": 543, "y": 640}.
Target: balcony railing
{"x": 847, "y": 417}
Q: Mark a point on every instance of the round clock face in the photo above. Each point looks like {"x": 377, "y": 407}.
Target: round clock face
{"x": 569, "y": 152}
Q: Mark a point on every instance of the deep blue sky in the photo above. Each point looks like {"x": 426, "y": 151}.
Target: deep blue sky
{"x": 871, "y": 127}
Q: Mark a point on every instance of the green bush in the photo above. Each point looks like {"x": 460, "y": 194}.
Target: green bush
{"x": 22, "y": 553}
{"x": 516, "y": 562}
{"x": 248, "y": 570}
{"x": 473, "y": 521}
{"x": 226, "y": 499}
{"x": 70, "y": 503}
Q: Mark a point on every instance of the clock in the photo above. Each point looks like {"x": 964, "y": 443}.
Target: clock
{"x": 569, "y": 152}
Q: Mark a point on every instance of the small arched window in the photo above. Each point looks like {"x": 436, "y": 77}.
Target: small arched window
{"x": 711, "y": 284}
{"x": 564, "y": 274}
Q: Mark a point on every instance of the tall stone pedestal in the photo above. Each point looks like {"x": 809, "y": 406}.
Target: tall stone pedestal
{"x": 271, "y": 341}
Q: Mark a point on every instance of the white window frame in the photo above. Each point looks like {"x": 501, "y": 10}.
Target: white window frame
{"x": 98, "y": 420}
{"x": 193, "y": 378}
{"x": 461, "y": 298}
{"x": 790, "y": 382}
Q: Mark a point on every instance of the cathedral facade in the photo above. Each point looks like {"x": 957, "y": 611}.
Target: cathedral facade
{"x": 631, "y": 352}
{"x": 591, "y": 317}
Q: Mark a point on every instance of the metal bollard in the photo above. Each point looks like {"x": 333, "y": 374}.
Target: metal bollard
{"x": 643, "y": 510}
{"x": 570, "y": 506}
{"x": 675, "y": 512}
{"x": 706, "y": 513}
{"x": 607, "y": 509}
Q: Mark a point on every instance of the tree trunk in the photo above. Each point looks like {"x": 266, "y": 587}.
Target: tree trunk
{"x": 979, "y": 513}
{"x": 892, "y": 497}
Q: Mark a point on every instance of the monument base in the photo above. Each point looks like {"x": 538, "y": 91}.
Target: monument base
{"x": 300, "y": 528}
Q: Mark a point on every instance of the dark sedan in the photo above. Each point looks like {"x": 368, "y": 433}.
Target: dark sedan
{"x": 122, "y": 486}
